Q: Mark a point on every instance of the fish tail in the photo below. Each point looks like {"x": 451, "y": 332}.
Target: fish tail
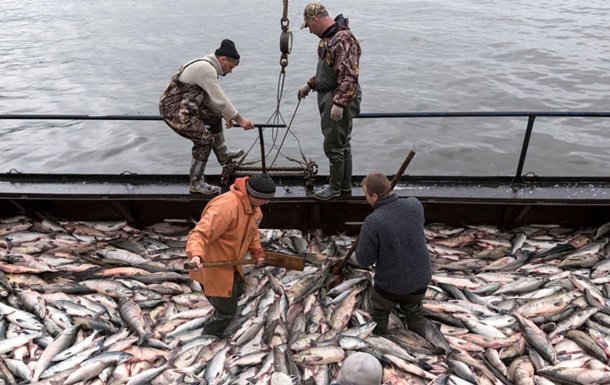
{"x": 99, "y": 314}
{"x": 144, "y": 337}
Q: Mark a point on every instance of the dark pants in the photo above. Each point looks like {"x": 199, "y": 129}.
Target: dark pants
{"x": 224, "y": 309}
{"x": 410, "y": 306}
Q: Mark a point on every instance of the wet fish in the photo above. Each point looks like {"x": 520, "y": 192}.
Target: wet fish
{"x": 59, "y": 344}
{"x": 480, "y": 287}
{"x": 132, "y": 314}
{"x": 11, "y": 343}
{"x": 537, "y": 339}
{"x": 320, "y": 355}
{"x": 22, "y": 318}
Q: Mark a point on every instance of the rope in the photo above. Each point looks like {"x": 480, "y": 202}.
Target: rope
{"x": 276, "y": 116}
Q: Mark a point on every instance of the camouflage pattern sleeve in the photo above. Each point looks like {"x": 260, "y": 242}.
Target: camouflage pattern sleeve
{"x": 312, "y": 82}
{"x": 344, "y": 59}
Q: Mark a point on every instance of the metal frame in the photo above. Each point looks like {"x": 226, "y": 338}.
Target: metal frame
{"x": 518, "y": 178}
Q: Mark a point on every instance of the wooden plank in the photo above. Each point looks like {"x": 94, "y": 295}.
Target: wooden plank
{"x": 287, "y": 261}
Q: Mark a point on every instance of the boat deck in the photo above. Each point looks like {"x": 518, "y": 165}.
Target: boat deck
{"x": 145, "y": 199}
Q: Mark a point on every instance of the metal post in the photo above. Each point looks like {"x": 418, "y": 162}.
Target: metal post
{"x": 526, "y": 141}
{"x": 260, "y": 135}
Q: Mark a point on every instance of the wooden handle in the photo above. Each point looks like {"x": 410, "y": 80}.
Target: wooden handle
{"x": 347, "y": 256}
{"x": 401, "y": 170}
{"x": 190, "y": 265}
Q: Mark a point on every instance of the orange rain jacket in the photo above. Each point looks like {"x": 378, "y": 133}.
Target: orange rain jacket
{"x": 228, "y": 228}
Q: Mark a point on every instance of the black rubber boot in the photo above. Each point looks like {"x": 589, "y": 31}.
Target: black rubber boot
{"x": 346, "y": 182}
{"x": 198, "y": 183}
{"x": 333, "y": 188}
{"x": 222, "y": 153}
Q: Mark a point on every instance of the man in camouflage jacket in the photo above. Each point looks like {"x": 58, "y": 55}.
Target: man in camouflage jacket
{"x": 339, "y": 94}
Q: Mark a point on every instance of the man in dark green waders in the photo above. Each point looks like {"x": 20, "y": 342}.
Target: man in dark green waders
{"x": 339, "y": 94}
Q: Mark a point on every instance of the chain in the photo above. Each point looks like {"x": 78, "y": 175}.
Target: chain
{"x": 276, "y": 117}
{"x": 285, "y": 39}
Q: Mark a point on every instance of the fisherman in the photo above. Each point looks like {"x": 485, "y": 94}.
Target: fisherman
{"x": 339, "y": 94}
{"x": 193, "y": 105}
{"x": 360, "y": 369}
{"x": 392, "y": 237}
{"x": 227, "y": 230}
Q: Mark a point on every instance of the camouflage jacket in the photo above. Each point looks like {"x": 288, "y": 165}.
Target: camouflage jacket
{"x": 340, "y": 50}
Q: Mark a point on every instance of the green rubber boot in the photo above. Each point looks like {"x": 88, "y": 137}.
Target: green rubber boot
{"x": 222, "y": 153}
{"x": 333, "y": 188}
{"x": 198, "y": 183}
{"x": 346, "y": 181}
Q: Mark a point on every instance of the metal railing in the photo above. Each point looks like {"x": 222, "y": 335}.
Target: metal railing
{"x": 518, "y": 178}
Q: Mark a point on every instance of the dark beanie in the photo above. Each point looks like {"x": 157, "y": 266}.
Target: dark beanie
{"x": 227, "y": 48}
{"x": 261, "y": 186}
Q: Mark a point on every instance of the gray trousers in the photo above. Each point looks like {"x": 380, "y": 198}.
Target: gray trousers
{"x": 225, "y": 309}
{"x": 410, "y": 306}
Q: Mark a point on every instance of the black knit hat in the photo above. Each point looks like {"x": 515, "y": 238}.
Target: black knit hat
{"x": 261, "y": 186}
{"x": 227, "y": 48}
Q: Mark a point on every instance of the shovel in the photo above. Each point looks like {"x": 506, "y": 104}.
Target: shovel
{"x": 287, "y": 261}
{"x": 339, "y": 268}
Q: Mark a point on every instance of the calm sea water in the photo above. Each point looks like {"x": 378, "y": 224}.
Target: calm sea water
{"x": 116, "y": 56}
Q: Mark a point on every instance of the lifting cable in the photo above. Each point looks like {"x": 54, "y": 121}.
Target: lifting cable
{"x": 276, "y": 117}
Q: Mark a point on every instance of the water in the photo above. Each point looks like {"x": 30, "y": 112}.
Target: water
{"x": 116, "y": 56}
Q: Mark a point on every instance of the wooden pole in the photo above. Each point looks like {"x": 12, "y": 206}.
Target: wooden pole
{"x": 339, "y": 268}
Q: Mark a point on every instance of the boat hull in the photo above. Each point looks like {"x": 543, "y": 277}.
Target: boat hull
{"x": 147, "y": 199}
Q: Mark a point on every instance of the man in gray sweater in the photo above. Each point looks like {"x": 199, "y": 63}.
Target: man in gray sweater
{"x": 392, "y": 237}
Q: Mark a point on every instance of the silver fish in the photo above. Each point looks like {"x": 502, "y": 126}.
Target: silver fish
{"x": 59, "y": 344}
{"x": 19, "y": 317}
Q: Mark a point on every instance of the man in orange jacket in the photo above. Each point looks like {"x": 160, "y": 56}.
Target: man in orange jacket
{"x": 228, "y": 228}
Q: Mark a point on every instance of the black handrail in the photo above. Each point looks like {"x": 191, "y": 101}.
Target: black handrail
{"x": 364, "y": 115}
{"x": 531, "y": 116}
{"x": 518, "y": 178}
{"x": 579, "y": 114}
{"x": 105, "y": 117}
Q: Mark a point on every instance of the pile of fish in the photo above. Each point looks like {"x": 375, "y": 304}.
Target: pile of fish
{"x": 106, "y": 303}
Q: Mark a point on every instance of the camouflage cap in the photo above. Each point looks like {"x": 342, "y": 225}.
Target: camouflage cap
{"x": 311, "y": 10}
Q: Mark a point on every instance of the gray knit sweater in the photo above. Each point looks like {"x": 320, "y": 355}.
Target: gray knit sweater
{"x": 393, "y": 237}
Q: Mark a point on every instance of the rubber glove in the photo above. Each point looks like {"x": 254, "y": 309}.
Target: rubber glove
{"x": 303, "y": 91}
{"x": 336, "y": 113}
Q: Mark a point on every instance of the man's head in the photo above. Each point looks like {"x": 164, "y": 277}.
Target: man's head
{"x": 227, "y": 56}
{"x": 260, "y": 188}
{"x": 315, "y": 16}
{"x": 360, "y": 369}
{"x": 376, "y": 186}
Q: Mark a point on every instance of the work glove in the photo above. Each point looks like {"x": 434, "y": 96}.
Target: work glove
{"x": 336, "y": 113}
{"x": 303, "y": 91}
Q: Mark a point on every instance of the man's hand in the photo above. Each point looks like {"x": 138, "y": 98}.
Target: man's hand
{"x": 228, "y": 122}
{"x": 303, "y": 91}
{"x": 336, "y": 113}
{"x": 246, "y": 124}
{"x": 259, "y": 255}
{"x": 197, "y": 261}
